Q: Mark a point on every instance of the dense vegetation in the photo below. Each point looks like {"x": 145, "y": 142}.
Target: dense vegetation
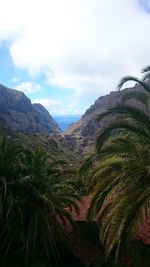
{"x": 39, "y": 186}
{"x": 35, "y": 190}
{"x": 121, "y": 177}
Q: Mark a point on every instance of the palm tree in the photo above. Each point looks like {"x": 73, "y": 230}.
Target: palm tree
{"x": 9, "y": 152}
{"x": 122, "y": 177}
{"x": 34, "y": 197}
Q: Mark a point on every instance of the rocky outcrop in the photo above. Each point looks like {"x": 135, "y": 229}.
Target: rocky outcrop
{"x": 17, "y": 113}
{"x": 81, "y": 135}
{"x": 45, "y": 120}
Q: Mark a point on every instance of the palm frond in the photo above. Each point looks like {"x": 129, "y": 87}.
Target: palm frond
{"x": 125, "y": 79}
{"x": 141, "y": 97}
{"x": 115, "y": 128}
{"x": 127, "y": 111}
{"x": 146, "y": 69}
{"x": 146, "y": 77}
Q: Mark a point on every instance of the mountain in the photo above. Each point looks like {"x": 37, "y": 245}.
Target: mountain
{"x": 81, "y": 135}
{"x": 17, "y": 113}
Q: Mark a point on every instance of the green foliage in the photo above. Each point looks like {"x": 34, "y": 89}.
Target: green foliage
{"x": 122, "y": 176}
{"x": 139, "y": 256}
{"x": 35, "y": 191}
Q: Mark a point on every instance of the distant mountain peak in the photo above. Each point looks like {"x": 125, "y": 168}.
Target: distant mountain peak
{"x": 81, "y": 135}
{"x": 17, "y": 113}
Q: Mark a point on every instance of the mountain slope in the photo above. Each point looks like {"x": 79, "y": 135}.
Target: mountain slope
{"x": 81, "y": 135}
{"x": 18, "y": 114}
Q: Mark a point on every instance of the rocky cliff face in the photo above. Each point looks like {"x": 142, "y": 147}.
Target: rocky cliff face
{"x": 17, "y": 113}
{"x": 81, "y": 135}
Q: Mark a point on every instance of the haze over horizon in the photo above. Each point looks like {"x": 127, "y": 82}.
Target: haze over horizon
{"x": 64, "y": 54}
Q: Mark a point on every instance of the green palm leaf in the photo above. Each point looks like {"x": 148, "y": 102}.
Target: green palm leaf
{"x": 134, "y": 79}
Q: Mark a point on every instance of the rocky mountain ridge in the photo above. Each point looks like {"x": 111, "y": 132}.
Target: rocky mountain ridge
{"x": 81, "y": 135}
{"x": 17, "y": 113}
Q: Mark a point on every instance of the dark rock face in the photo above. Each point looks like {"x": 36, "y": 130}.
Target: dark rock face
{"x": 81, "y": 135}
{"x": 45, "y": 120}
{"x": 17, "y": 113}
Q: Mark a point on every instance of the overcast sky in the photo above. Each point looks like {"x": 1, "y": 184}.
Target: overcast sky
{"x": 66, "y": 53}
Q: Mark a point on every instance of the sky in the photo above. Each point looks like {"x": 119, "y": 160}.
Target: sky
{"x": 65, "y": 54}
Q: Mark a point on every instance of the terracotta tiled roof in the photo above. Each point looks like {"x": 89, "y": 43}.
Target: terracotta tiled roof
{"x": 84, "y": 250}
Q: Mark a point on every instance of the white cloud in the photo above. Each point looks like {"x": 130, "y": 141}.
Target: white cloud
{"x": 16, "y": 79}
{"x": 28, "y": 87}
{"x": 57, "y": 107}
{"x": 82, "y": 45}
{"x": 46, "y": 102}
